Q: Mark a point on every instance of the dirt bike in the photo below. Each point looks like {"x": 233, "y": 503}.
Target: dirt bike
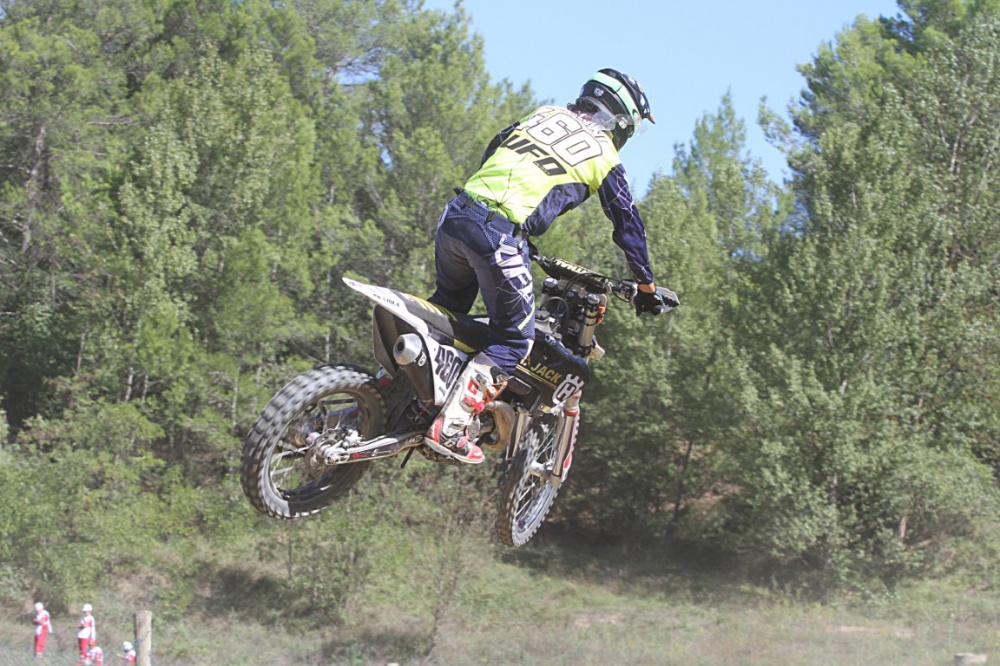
{"x": 318, "y": 435}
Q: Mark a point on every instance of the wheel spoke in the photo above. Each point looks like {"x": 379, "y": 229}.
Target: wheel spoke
{"x": 278, "y": 474}
{"x": 525, "y": 492}
{"x": 290, "y": 454}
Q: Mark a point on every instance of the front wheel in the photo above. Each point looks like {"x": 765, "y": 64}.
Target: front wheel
{"x": 279, "y": 473}
{"x": 526, "y": 493}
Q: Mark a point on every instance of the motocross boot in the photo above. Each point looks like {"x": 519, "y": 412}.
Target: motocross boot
{"x": 480, "y": 382}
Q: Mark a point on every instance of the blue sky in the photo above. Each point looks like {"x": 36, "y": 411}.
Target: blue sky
{"x": 686, "y": 55}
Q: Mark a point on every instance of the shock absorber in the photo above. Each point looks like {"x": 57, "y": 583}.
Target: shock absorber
{"x": 593, "y": 315}
{"x": 565, "y": 438}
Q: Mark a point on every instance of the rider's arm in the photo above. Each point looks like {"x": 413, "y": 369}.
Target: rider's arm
{"x": 629, "y": 231}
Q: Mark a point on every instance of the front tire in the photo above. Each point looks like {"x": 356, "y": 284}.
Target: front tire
{"x": 279, "y": 476}
{"x": 525, "y": 495}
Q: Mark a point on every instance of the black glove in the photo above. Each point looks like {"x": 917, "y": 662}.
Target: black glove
{"x": 658, "y": 302}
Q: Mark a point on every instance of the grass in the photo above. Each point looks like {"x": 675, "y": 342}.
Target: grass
{"x": 548, "y": 603}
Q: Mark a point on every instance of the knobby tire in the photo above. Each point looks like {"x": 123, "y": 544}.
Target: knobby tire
{"x": 525, "y": 499}
{"x": 276, "y": 472}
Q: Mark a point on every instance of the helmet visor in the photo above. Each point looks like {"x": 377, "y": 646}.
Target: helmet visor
{"x": 608, "y": 121}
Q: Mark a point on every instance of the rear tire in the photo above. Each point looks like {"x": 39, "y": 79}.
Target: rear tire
{"x": 279, "y": 476}
{"x": 525, "y": 499}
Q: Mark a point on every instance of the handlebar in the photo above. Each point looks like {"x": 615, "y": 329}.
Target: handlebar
{"x": 626, "y": 290}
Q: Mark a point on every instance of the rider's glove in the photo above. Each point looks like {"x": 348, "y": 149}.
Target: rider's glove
{"x": 658, "y": 302}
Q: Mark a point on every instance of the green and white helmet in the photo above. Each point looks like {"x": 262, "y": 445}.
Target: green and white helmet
{"x": 616, "y": 102}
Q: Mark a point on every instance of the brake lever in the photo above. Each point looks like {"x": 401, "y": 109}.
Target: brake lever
{"x": 626, "y": 291}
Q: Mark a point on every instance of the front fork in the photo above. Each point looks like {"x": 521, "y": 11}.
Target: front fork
{"x": 565, "y": 439}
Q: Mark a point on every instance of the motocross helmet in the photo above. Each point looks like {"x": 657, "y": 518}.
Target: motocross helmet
{"x": 616, "y": 102}
{"x": 126, "y": 646}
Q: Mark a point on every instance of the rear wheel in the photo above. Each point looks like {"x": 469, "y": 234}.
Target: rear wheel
{"x": 525, "y": 493}
{"x": 280, "y": 475}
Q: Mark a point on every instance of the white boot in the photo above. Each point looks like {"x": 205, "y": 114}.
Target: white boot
{"x": 475, "y": 387}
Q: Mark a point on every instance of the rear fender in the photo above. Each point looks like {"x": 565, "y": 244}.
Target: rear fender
{"x": 390, "y": 300}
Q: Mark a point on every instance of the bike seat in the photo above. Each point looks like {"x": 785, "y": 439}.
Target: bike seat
{"x": 468, "y": 333}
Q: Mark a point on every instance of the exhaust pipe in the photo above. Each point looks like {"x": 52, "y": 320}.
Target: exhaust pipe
{"x": 503, "y": 418}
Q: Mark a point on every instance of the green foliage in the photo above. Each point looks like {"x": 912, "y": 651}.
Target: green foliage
{"x": 181, "y": 196}
{"x": 184, "y": 184}
{"x": 92, "y": 503}
{"x": 861, "y": 349}
{"x": 661, "y": 401}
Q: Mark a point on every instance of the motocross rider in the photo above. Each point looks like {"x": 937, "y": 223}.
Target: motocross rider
{"x": 540, "y": 167}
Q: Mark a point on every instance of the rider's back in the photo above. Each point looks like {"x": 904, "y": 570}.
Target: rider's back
{"x": 542, "y": 166}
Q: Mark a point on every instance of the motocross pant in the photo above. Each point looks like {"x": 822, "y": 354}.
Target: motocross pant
{"x": 476, "y": 249}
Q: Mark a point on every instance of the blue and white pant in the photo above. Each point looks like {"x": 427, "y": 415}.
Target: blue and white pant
{"x": 476, "y": 249}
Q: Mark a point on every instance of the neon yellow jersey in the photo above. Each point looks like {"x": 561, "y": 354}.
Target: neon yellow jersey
{"x": 550, "y": 162}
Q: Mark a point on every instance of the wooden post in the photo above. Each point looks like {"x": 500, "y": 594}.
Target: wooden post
{"x": 143, "y": 638}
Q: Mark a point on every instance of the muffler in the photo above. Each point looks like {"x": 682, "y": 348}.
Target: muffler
{"x": 411, "y": 355}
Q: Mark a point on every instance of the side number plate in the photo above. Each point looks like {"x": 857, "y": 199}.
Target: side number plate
{"x": 447, "y": 365}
